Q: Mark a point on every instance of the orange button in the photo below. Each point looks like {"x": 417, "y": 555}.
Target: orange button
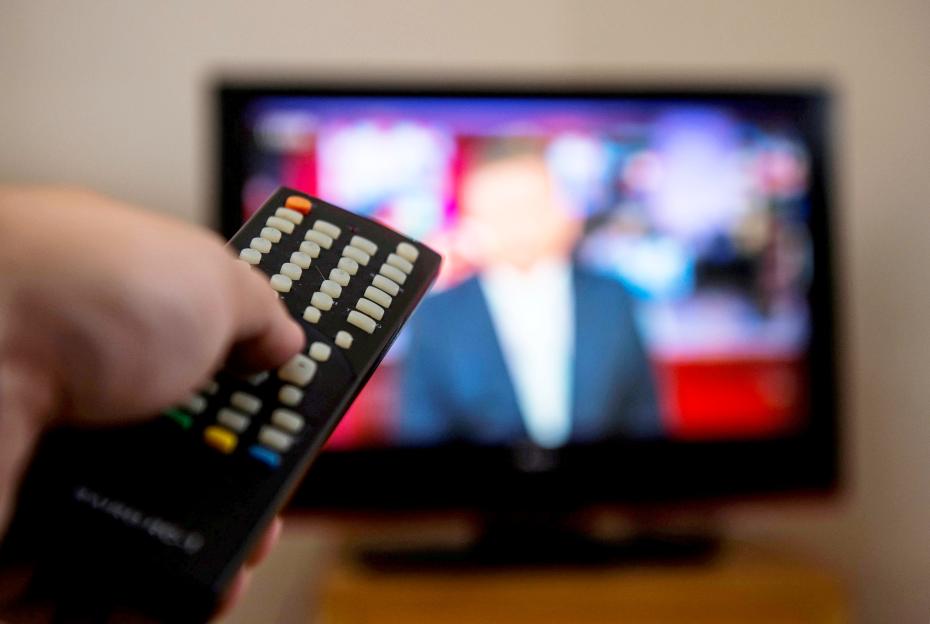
{"x": 220, "y": 439}
{"x": 298, "y": 203}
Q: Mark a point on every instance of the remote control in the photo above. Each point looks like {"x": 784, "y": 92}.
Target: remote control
{"x": 159, "y": 517}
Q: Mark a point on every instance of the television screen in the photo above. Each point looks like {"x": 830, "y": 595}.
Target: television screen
{"x": 616, "y": 268}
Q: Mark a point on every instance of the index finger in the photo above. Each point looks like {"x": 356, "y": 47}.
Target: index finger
{"x": 264, "y": 333}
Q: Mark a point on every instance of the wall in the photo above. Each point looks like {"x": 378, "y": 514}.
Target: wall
{"x": 113, "y": 95}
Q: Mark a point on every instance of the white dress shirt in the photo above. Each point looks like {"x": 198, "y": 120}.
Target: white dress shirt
{"x": 534, "y": 318}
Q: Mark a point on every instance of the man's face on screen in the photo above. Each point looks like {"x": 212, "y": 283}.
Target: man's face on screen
{"x": 515, "y": 213}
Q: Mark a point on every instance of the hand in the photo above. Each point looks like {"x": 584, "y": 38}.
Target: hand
{"x": 110, "y": 314}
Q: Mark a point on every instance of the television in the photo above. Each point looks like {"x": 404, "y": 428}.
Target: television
{"x": 636, "y": 306}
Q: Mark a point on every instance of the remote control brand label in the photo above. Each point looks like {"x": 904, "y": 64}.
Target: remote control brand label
{"x": 164, "y": 531}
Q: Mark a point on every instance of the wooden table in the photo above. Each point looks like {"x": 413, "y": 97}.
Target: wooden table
{"x": 742, "y": 584}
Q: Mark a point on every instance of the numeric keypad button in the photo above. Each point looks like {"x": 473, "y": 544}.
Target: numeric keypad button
{"x": 299, "y": 371}
{"x": 364, "y": 244}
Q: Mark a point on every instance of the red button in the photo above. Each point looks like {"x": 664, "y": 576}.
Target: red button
{"x": 298, "y": 203}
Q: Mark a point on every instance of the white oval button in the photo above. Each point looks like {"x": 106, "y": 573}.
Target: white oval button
{"x": 322, "y": 301}
{"x": 274, "y": 439}
{"x": 340, "y": 277}
{"x": 299, "y": 370}
{"x": 281, "y": 283}
{"x": 393, "y": 273}
{"x": 280, "y": 224}
{"x": 262, "y": 245}
{"x": 370, "y": 308}
{"x": 383, "y": 283}
{"x": 291, "y": 270}
{"x": 290, "y": 395}
{"x": 401, "y": 263}
{"x": 320, "y": 351}
{"x": 331, "y": 288}
{"x": 348, "y": 265}
{"x": 378, "y": 296}
{"x": 301, "y": 259}
{"x": 361, "y": 321}
{"x": 333, "y": 231}
{"x": 356, "y": 254}
{"x": 310, "y": 248}
{"x": 287, "y": 420}
{"x": 289, "y": 215}
{"x": 364, "y": 244}
{"x": 408, "y": 251}
{"x": 319, "y": 238}
{"x": 343, "y": 339}
{"x": 231, "y": 419}
{"x": 271, "y": 234}
{"x": 251, "y": 256}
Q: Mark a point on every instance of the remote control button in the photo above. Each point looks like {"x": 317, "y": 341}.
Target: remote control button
{"x": 408, "y": 251}
{"x": 291, "y": 270}
{"x": 361, "y": 321}
{"x": 280, "y": 224}
{"x": 312, "y": 314}
{"x": 271, "y": 234}
{"x": 274, "y": 439}
{"x": 401, "y": 263}
{"x": 251, "y": 256}
{"x": 354, "y": 253}
{"x": 298, "y": 371}
{"x": 231, "y": 419}
{"x": 333, "y": 231}
{"x": 378, "y": 296}
{"x": 322, "y": 301}
{"x": 261, "y": 245}
{"x": 221, "y": 439}
{"x": 180, "y": 417}
{"x": 281, "y": 283}
{"x": 364, "y": 244}
{"x": 393, "y": 273}
{"x": 331, "y": 288}
{"x": 343, "y": 339}
{"x": 212, "y": 387}
{"x": 246, "y": 402}
{"x": 370, "y": 308}
{"x": 257, "y": 378}
{"x": 290, "y": 395}
{"x": 348, "y": 265}
{"x": 320, "y": 351}
{"x": 301, "y": 259}
{"x": 298, "y": 203}
{"x": 310, "y": 248}
{"x": 319, "y": 238}
{"x": 340, "y": 277}
{"x": 196, "y": 404}
{"x": 287, "y": 420}
{"x": 383, "y": 283}
{"x": 265, "y": 456}
{"x": 289, "y": 215}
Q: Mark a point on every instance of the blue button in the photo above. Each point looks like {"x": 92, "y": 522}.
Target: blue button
{"x": 264, "y": 455}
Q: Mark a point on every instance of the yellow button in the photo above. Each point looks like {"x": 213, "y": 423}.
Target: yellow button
{"x": 220, "y": 439}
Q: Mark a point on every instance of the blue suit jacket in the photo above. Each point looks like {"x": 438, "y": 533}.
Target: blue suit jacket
{"x": 456, "y": 386}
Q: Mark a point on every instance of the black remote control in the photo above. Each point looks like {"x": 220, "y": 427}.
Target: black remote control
{"x": 159, "y": 517}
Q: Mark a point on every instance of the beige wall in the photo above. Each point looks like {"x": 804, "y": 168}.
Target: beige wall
{"x": 112, "y": 95}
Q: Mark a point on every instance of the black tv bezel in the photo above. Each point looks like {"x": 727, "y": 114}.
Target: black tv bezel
{"x": 633, "y": 473}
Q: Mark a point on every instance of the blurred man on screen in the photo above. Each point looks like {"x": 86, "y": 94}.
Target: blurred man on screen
{"x": 532, "y": 348}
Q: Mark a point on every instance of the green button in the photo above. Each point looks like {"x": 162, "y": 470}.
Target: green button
{"x": 180, "y": 417}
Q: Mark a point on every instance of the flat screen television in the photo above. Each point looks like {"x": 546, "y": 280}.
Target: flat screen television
{"x": 637, "y": 300}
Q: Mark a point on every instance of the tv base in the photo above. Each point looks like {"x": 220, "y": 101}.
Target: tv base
{"x": 541, "y": 545}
